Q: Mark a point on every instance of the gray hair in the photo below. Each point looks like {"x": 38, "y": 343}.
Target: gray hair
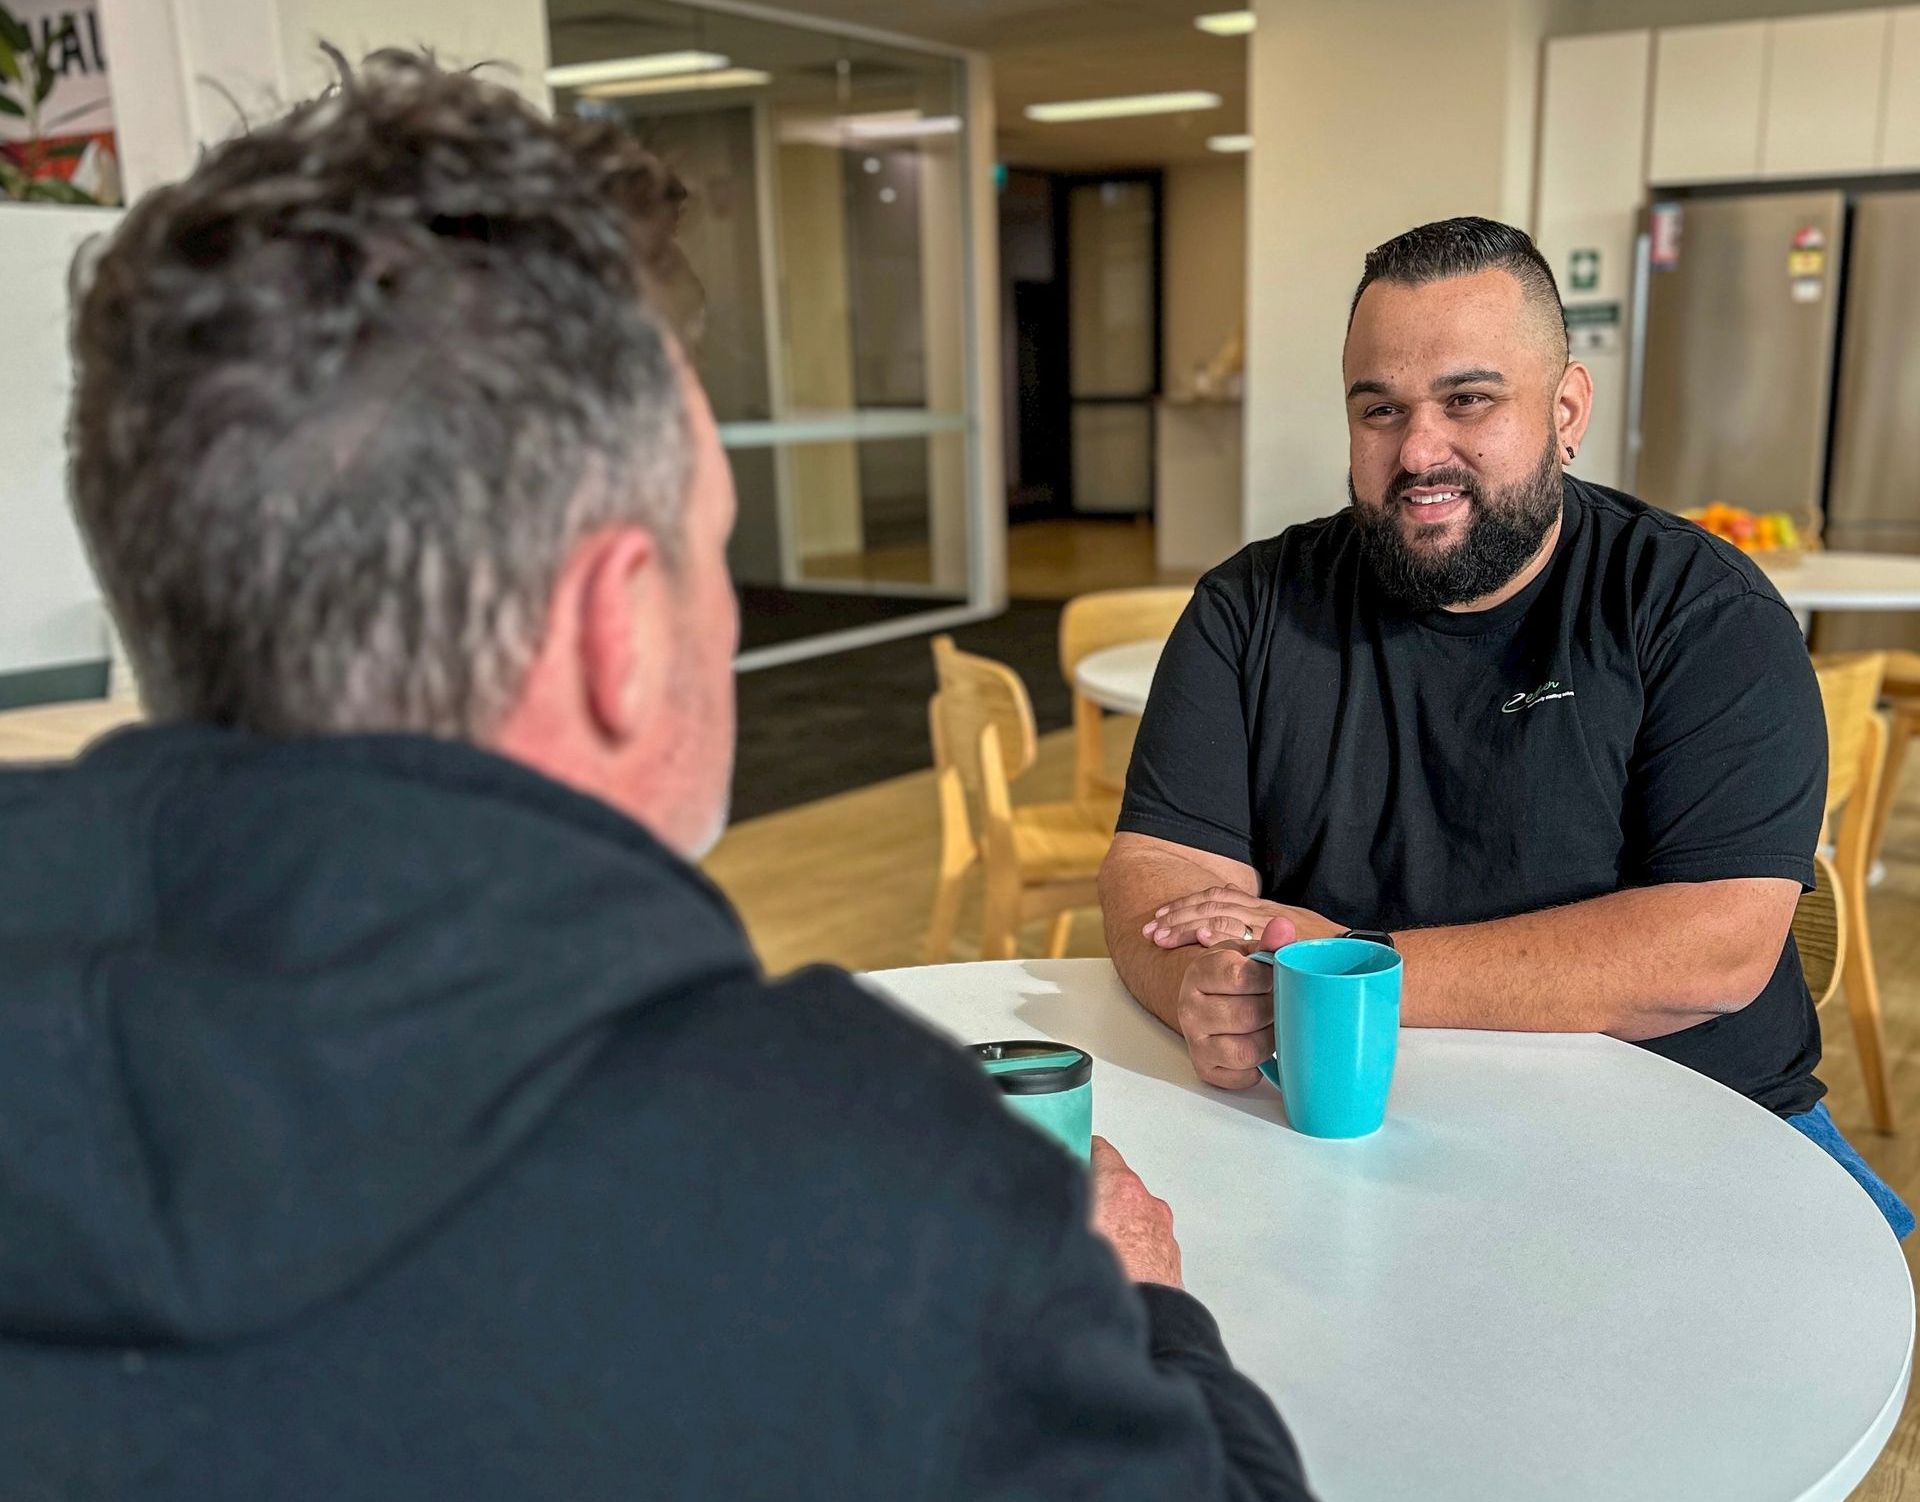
{"x": 348, "y": 395}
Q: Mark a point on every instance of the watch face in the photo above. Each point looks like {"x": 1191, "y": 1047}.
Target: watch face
{"x": 1371, "y": 935}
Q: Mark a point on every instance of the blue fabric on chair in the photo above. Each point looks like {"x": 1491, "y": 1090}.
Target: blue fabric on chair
{"x": 1817, "y": 1125}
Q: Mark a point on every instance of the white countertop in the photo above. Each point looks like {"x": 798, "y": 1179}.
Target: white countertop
{"x": 1846, "y": 581}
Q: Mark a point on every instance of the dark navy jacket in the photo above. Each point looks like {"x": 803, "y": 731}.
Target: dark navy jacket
{"x": 381, "y": 1120}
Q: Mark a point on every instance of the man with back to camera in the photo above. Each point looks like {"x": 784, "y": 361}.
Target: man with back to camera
{"x": 390, "y": 1109}
{"x": 1562, "y": 749}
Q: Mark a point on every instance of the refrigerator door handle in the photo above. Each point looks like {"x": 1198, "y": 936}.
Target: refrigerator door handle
{"x": 1636, "y": 360}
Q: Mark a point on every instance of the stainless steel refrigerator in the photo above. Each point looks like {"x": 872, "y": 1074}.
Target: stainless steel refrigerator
{"x": 1779, "y": 369}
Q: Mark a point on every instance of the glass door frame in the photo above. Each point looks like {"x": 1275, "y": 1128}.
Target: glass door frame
{"x": 977, "y": 422}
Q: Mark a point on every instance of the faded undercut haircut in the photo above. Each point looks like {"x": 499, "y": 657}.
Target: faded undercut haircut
{"x": 1461, "y": 247}
{"x": 348, "y": 395}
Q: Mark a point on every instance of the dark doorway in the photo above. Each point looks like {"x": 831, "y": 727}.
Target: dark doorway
{"x": 1080, "y": 261}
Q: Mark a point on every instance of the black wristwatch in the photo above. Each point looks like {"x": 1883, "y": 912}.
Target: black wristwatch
{"x": 1371, "y": 935}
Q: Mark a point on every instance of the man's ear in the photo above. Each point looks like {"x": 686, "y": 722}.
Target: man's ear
{"x": 1573, "y": 406}
{"x": 620, "y": 575}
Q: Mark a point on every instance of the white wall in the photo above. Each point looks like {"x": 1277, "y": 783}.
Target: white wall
{"x": 511, "y": 33}
{"x": 49, "y": 611}
{"x": 181, "y": 68}
{"x": 163, "y": 52}
{"x": 1341, "y": 162}
{"x": 1204, "y": 265}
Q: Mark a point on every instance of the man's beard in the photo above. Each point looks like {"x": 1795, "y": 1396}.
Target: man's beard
{"x": 1503, "y": 533}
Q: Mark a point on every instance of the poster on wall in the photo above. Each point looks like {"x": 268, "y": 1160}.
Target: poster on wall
{"x": 56, "y": 116}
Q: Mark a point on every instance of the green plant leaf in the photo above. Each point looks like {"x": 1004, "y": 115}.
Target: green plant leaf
{"x": 9, "y": 61}
{"x": 13, "y": 33}
{"x": 44, "y": 78}
{"x": 53, "y": 190}
{"x": 68, "y": 149}
{"x": 13, "y": 182}
{"x": 11, "y": 107}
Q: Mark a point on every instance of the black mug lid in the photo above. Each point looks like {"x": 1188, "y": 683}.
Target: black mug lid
{"x": 1056, "y": 1066}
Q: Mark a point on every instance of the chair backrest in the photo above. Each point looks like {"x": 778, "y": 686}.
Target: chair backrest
{"x": 975, "y": 693}
{"x": 1111, "y": 617}
{"x": 1819, "y": 931}
{"x": 1849, "y": 688}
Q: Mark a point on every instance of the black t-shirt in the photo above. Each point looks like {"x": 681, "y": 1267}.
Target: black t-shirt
{"x": 1643, "y": 712}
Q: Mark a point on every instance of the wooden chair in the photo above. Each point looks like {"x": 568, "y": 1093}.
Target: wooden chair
{"x": 1820, "y": 932}
{"x": 1856, "y": 753}
{"x": 1901, "y": 690}
{"x": 1040, "y": 860}
{"x": 1108, "y": 618}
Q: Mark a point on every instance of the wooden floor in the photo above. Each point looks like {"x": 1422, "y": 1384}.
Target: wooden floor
{"x": 847, "y": 880}
{"x": 1048, "y": 560}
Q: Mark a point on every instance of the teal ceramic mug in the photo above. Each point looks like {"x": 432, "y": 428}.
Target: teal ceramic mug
{"x": 1050, "y": 1084}
{"x": 1336, "y": 1030}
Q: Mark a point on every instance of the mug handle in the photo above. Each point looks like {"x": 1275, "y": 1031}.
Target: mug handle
{"x": 1271, "y": 1068}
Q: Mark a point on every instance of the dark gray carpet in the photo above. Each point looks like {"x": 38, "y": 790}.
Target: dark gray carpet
{"x": 832, "y": 724}
{"x": 769, "y": 617}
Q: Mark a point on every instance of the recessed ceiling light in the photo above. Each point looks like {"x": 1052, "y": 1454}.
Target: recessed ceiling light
{"x": 1226, "y": 23}
{"x": 898, "y": 126}
{"x": 1229, "y": 143}
{"x": 1131, "y": 104}
{"x": 653, "y": 65}
{"x": 681, "y": 83}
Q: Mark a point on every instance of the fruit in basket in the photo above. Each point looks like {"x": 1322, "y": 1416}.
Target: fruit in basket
{"x": 1770, "y": 533}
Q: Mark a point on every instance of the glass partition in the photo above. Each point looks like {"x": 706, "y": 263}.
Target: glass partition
{"x": 828, "y": 221}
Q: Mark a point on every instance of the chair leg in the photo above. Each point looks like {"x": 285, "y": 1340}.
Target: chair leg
{"x": 1904, "y": 720}
{"x": 1060, "y": 934}
{"x": 1000, "y": 915}
{"x": 1863, "y": 1005}
{"x": 1089, "y": 748}
{"x": 946, "y": 916}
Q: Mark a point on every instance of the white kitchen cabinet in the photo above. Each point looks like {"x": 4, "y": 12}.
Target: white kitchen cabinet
{"x": 1900, "y": 130}
{"x": 1826, "y": 81}
{"x": 1709, "y": 96}
{"x": 1593, "y": 145}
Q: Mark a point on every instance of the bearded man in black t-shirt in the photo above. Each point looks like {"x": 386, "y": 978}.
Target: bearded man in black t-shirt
{"x": 1563, "y": 749}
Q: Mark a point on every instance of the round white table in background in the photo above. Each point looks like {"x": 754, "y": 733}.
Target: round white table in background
{"x": 1846, "y": 581}
{"x": 1119, "y": 678}
{"x": 1565, "y": 1268}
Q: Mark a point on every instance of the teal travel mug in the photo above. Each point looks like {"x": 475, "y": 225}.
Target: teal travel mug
{"x": 1050, "y": 1084}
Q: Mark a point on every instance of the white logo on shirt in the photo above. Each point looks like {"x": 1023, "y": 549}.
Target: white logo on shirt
{"x": 1545, "y": 693}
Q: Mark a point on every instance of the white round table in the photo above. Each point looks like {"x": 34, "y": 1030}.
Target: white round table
{"x": 1565, "y": 1267}
{"x": 1846, "y": 581}
{"x": 1119, "y": 678}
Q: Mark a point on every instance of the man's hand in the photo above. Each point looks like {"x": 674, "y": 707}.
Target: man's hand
{"x": 1225, "y": 1009}
{"x": 1227, "y": 915}
{"x": 1137, "y": 1226}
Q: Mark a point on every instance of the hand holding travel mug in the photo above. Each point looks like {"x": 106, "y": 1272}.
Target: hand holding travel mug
{"x": 1050, "y": 1084}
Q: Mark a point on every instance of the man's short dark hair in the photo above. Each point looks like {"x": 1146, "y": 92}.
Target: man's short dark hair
{"x": 348, "y": 395}
{"x": 1461, "y": 247}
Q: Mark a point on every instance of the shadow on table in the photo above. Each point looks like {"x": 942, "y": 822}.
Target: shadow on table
{"x": 1405, "y": 1152}
{"x": 1139, "y": 1043}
